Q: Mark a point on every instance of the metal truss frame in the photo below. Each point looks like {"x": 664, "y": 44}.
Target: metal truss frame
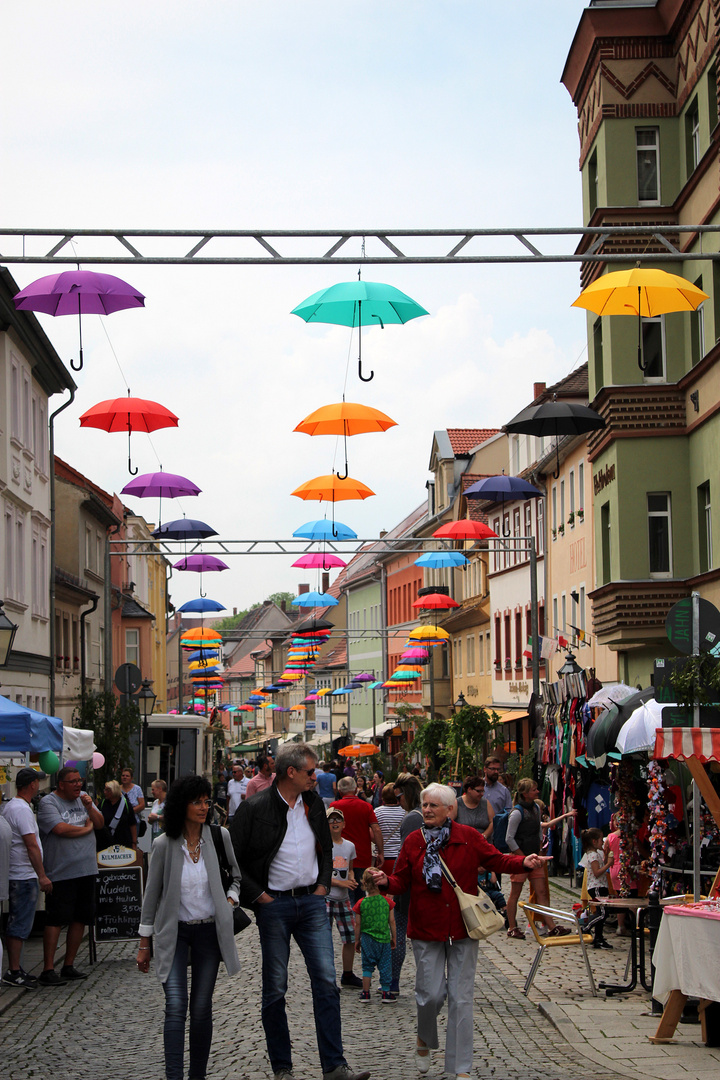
{"x": 262, "y": 247}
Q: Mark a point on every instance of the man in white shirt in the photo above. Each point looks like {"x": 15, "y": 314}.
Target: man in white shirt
{"x": 234, "y": 789}
{"x": 284, "y": 848}
{"x": 27, "y": 874}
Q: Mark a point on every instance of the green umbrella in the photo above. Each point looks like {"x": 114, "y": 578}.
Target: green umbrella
{"x": 359, "y": 303}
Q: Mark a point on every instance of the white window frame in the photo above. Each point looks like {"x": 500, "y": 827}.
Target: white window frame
{"x": 644, "y": 148}
{"x": 658, "y": 319}
{"x": 571, "y": 492}
{"x": 470, "y": 654}
{"x": 132, "y": 648}
{"x": 667, "y": 515}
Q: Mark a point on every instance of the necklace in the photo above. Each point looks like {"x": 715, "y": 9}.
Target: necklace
{"x": 194, "y": 849}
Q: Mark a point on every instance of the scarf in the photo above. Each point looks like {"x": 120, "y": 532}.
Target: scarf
{"x": 435, "y": 840}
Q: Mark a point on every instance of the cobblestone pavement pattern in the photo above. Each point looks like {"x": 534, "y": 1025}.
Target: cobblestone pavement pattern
{"x": 72, "y": 1029}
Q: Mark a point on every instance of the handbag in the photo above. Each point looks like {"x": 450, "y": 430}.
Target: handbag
{"x": 479, "y": 914}
{"x": 240, "y": 920}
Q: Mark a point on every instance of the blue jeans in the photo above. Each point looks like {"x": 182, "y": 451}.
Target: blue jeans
{"x": 304, "y": 919}
{"x": 200, "y": 940}
{"x": 23, "y": 901}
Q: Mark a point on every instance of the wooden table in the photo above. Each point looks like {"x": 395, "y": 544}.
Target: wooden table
{"x": 687, "y": 964}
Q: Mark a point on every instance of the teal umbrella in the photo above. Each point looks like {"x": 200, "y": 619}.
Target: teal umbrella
{"x": 359, "y": 303}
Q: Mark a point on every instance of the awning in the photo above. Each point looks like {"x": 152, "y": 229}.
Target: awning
{"x": 319, "y": 740}
{"x": 506, "y": 715}
{"x": 380, "y": 730}
{"x": 682, "y": 743}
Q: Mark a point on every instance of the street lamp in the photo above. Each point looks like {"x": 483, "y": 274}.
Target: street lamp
{"x": 571, "y": 666}
{"x": 460, "y": 703}
{"x": 145, "y": 699}
{"x": 8, "y": 630}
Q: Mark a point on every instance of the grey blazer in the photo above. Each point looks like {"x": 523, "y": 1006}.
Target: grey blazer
{"x": 161, "y": 903}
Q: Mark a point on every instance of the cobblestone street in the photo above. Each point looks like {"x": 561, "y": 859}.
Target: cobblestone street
{"x": 44, "y": 1031}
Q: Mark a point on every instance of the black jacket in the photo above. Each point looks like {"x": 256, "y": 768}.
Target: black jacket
{"x": 258, "y": 829}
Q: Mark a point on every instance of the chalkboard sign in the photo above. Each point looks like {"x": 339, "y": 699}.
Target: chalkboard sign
{"x": 119, "y": 903}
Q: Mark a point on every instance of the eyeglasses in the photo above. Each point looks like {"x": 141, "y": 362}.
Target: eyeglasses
{"x": 310, "y": 772}
{"x": 204, "y": 803}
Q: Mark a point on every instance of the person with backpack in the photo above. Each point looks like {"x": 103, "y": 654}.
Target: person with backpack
{"x": 524, "y": 836}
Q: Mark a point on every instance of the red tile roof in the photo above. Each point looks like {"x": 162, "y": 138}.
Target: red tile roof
{"x": 464, "y": 440}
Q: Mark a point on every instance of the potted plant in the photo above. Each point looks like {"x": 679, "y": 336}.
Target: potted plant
{"x": 554, "y": 534}
{"x": 571, "y": 518}
{"x": 581, "y": 514}
{"x": 561, "y": 528}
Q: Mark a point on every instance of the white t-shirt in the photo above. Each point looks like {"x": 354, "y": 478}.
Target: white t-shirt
{"x": 20, "y": 817}
{"x": 587, "y": 860}
{"x": 343, "y": 855}
{"x": 235, "y": 791}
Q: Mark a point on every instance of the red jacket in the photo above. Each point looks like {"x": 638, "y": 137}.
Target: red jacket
{"x": 436, "y": 916}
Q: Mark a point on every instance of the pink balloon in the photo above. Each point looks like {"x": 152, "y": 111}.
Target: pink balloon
{"x": 97, "y": 760}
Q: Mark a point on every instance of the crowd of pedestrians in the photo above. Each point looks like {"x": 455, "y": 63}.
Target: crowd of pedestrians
{"x": 313, "y": 851}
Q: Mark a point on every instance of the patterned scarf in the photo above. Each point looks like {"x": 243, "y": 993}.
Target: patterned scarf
{"x": 435, "y": 839}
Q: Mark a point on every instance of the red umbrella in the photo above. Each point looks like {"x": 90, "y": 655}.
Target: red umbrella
{"x": 128, "y": 414}
{"x": 465, "y": 529}
{"x": 435, "y": 601}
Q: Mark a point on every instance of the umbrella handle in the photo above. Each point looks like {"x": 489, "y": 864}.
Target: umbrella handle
{"x": 362, "y": 377}
{"x": 133, "y": 472}
{"x": 79, "y": 366}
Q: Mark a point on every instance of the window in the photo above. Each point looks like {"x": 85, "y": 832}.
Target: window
{"x": 697, "y": 330}
{"x": 556, "y": 622}
{"x": 89, "y": 549}
{"x": 571, "y": 492}
{"x": 659, "y": 534}
{"x": 554, "y": 510}
{"x": 132, "y": 647}
{"x": 712, "y": 97}
{"x": 653, "y": 349}
{"x": 496, "y": 549}
{"x": 517, "y": 555}
{"x": 15, "y": 413}
{"x": 540, "y": 526}
{"x": 581, "y": 486}
{"x": 518, "y": 639}
{"x": 563, "y": 608}
{"x": 498, "y": 642}
{"x": 593, "y": 183}
{"x": 605, "y": 543}
{"x": 705, "y": 527}
{"x": 598, "y": 354}
{"x": 647, "y": 142}
{"x": 470, "y": 654}
{"x": 528, "y": 525}
{"x": 457, "y": 651}
{"x": 692, "y": 136}
{"x": 562, "y": 503}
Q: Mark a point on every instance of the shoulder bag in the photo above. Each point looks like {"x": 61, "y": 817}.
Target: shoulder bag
{"x": 240, "y": 919}
{"x": 479, "y": 914}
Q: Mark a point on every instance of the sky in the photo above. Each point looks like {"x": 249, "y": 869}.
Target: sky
{"x": 236, "y": 115}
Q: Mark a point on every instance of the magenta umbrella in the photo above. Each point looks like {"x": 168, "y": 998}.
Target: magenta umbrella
{"x": 78, "y": 292}
{"x": 319, "y": 560}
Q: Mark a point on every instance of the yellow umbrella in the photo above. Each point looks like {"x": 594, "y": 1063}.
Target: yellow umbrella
{"x": 421, "y": 632}
{"x": 642, "y": 291}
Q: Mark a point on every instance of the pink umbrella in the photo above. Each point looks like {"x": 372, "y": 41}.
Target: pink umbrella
{"x": 319, "y": 560}
{"x": 78, "y": 292}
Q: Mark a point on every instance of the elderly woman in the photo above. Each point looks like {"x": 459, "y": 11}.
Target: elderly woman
{"x": 120, "y": 826}
{"x": 445, "y": 957}
{"x": 189, "y": 914}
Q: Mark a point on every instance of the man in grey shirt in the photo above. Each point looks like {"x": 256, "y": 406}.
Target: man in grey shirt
{"x": 67, "y": 820}
{"x": 496, "y": 793}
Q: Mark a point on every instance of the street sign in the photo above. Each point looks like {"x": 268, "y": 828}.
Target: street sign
{"x": 678, "y": 625}
{"x": 128, "y": 679}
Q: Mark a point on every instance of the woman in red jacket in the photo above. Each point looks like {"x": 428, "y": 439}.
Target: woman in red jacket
{"x": 445, "y": 957}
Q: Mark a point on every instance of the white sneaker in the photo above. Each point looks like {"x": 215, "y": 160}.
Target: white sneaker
{"x": 422, "y": 1060}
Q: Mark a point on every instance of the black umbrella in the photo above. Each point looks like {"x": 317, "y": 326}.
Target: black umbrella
{"x": 500, "y": 488}
{"x": 553, "y": 419}
{"x": 307, "y": 626}
{"x": 603, "y": 734}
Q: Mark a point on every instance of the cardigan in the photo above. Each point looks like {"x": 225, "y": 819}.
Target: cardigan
{"x": 161, "y": 903}
{"x": 435, "y": 916}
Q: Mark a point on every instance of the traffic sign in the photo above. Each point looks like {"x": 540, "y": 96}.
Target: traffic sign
{"x": 128, "y": 679}
{"x": 679, "y": 628}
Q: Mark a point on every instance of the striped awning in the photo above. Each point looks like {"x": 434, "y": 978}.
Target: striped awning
{"x": 682, "y": 743}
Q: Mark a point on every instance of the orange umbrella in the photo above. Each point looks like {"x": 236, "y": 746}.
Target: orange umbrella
{"x": 201, "y": 633}
{"x": 345, "y": 418}
{"x": 359, "y": 750}
{"x": 333, "y": 489}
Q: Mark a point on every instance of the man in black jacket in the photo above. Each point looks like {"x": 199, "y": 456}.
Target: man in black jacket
{"x": 283, "y": 846}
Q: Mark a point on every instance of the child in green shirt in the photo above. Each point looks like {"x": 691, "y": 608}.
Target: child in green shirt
{"x": 375, "y": 937}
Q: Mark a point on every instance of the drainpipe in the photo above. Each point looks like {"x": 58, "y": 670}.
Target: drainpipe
{"x": 53, "y": 644}
{"x": 84, "y": 615}
{"x": 107, "y": 610}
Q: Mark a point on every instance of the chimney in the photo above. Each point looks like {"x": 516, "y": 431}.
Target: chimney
{"x": 325, "y": 582}
{"x": 302, "y": 589}
{"x": 283, "y": 605}
{"x": 538, "y": 389}
{"x": 234, "y": 611}
{"x": 383, "y": 532}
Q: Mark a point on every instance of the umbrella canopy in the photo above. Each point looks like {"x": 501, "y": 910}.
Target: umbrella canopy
{"x": 325, "y": 530}
{"x": 359, "y": 750}
{"x": 319, "y": 560}
{"x": 345, "y": 418}
{"x": 638, "y": 732}
{"x": 553, "y": 419}
{"x": 78, "y": 292}
{"x": 435, "y": 602}
{"x": 184, "y": 529}
{"x": 201, "y": 605}
{"x": 641, "y": 291}
{"x": 163, "y": 485}
{"x": 500, "y": 488}
{"x": 465, "y": 529}
{"x": 608, "y": 695}
{"x": 314, "y": 599}
{"x": 201, "y": 564}
{"x": 333, "y": 489}
{"x": 128, "y": 414}
{"x": 434, "y": 559}
{"x": 363, "y": 677}
{"x": 201, "y": 633}
{"x": 602, "y": 736}
{"x": 203, "y": 654}
{"x": 426, "y": 633}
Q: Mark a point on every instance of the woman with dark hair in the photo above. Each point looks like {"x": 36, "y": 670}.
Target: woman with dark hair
{"x": 361, "y": 792}
{"x": 189, "y": 914}
{"x": 120, "y": 827}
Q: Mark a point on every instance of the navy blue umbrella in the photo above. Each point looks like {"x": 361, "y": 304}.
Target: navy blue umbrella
{"x": 500, "y": 488}
{"x": 184, "y": 529}
{"x": 200, "y": 605}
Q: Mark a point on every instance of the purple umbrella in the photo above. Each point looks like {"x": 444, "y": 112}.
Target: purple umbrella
{"x": 164, "y": 485}
{"x": 78, "y": 292}
{"x": 201, "y": 564}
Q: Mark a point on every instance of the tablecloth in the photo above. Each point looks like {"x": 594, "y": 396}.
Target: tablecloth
{"x": 687, "y": 957}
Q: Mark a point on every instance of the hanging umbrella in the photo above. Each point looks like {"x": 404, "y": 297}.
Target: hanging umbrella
{"x": 314, "y": 599}
{"x": 313, "y": 626}
{"x": 345, "y": 418}
{"x": 161, "y": 485}
{"x": 642, "y": 291}
{"x": 639, "y": 730}
{"x": 201, "y": 633}
{"x": 184, "y": 529}
{"x": 78, "y": 292}
{"x": 363, "y": 677}
{"x": 502, "y": 488}
{"x": 434, "y": 559}
{"x": 428, "y": 633}
{"x": 602, "y": 736}
{"x": 332, "y": 488}
{"x": 359, "y": 303}
{"x": 610, "y": 695}
{"x": 465, "y": 529}
{"x": 319, "y": 560}
{"x": 435, "y": 602}
{"x": 553, "y": 419}
{"x": 201, "y": 564}
{"x": 359, "y": 750}
{"x": 323, "y": 529}
{"x": 203, "y": 654}
{"x": 201, "y": 605}
{"x": 128, "y": 414}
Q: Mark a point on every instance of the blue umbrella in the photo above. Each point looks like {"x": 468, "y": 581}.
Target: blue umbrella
{"x": 314, "y": 599}
{"x": 202, "y": 604}
{"x": 184, "y": 529}
{"x": 325, "y": 530}
{"x": 434, "y": 559}
{"x": 500, "y": 488}
{"x": 203, "y": 654}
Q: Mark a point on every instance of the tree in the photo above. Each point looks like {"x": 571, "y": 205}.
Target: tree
{"x": 457, "y": 746}
{"x": 113, "y": 725}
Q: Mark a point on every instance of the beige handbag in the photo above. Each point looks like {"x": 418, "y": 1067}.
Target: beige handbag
{"x": 479, "y": 914}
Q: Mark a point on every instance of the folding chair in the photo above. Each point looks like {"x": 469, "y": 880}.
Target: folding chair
{"x": 544, "y": 943}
